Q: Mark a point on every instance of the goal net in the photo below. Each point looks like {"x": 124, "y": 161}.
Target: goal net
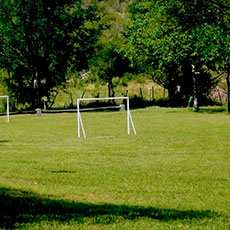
{"x": 80, "y": 122}
{"x": 7, "y": 107}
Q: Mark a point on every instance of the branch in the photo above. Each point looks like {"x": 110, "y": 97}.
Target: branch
{"x": 218, "y": 76}
{"x": 21, "y": 56}
{"x": 220, "y": 4}
{"x": 52, "y": 102}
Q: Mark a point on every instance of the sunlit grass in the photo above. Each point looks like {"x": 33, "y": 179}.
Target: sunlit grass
{"x": 175, "y": 174}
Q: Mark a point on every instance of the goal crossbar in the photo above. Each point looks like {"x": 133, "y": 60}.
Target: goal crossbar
{"x": 80, "y": 122}
{"x": 7, "y": 107}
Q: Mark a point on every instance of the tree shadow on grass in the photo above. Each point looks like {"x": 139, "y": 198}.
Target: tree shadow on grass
{"x": 212, "y": 110}
{"x": 19, "y": 207}
{"x": 3, "y": 141}
{"x": 62, "y": 171}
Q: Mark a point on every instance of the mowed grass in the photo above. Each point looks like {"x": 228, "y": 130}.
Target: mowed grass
{"x": 175, "y": 174}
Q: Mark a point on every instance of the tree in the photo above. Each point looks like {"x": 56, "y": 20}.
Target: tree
{"x": 108, "y": 58}
{"x": 110, "y": 64}
{"x": 39, "y": 41}
{"x": 171, "y": 40}
{"x": 217, "y": 36}
{"x": 208, "y": 26}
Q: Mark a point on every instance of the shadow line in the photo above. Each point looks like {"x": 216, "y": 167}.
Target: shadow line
{"x": 212, "y": 110}
{"x": 3, "y": 141}
{"x": 20, "y": 207}
{"x": 62, "y": 171}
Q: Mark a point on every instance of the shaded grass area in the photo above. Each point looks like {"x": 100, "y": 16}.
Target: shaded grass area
{"x": 18, "y": 207}
{"x": 211, "y": 110}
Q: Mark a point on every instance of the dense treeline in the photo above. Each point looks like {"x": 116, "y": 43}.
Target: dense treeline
{"x": 179, "y": 42}
{"x": 40, "y": 40}
{"x": 176, "y": 42}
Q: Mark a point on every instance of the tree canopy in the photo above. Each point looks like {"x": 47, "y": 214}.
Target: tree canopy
{"x": 177, "y": 42}
{"x": 176, "y": 39}
{"x": 108, "y": 60}
{"x": 39, "y": 41}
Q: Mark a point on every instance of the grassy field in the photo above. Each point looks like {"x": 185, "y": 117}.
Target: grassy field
{"x": 175, "y": 174}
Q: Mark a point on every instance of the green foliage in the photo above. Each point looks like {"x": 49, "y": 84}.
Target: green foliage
{"x": 108, "y": 61}
{"x": 166, "y": 38}
{"x": 207, "y": 25}
{"x": 109, "y": 64}
{"x": 44, "y": 42}
{"x": 39, "y": 40}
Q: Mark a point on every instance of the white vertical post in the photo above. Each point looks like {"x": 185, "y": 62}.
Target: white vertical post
{"x": 78, "y": 119}
{"x": 131, "y": 119}
{"x": 128, "y": 126}
{"x": 8, "y": 109}
{"x": 82, "y": 126}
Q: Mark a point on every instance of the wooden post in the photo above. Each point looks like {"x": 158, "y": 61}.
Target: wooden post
{"x": 228, "y": 94}
{"x": 82, "y": 95}
{"x": 141, "y": 94}
{"x": 152, "y": 93}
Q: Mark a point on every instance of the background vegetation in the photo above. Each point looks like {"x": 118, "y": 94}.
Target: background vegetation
{"x": 46, "y": 45}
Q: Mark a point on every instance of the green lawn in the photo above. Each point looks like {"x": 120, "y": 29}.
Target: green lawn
{"x": 175, "y": 174}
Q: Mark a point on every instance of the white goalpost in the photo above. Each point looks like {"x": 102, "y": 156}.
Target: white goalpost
{"x": 80, "y": 122}
{"x": 7, "y": 107}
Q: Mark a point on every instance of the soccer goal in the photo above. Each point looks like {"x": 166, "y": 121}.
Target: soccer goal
{"x": 7, "y": 107}
{"x": 80, "y": 122}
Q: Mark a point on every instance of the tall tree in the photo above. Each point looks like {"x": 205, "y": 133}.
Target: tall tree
{"x": 39, "y": 41}
{"x": 207, "y": 25}
{"x": 168, "y": 39}
{"x": 108, "y": 58}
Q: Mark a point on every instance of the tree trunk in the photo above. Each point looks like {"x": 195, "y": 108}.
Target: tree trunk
{"x": 110, "y": 88}
{"x": 195, "y": 94}
{"x": 228, "y": 93}
{"x": 171, "y": 94}
{"x": 37, "y": 95}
